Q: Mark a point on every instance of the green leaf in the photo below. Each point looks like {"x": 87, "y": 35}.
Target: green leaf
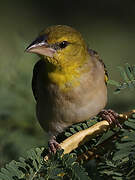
{"x": 84, "y": 126}
{"x": 133, "y": 116}
{"x": 72, "y": 130}
{"x": 120, "y": 154}
{"x": 123, "y": 74}
{"x": 80, "y": 174}
{"x": 129, "y": 71}
{"x": 106, "y": 135}
{"x": 70, "y": 160}
{"x": 68, "y": 134}
{"x": 114, "y": 83}
{"x": 133, "y": 68}
{"x": 130, "y": 124}
{"x": 78, "y": 128}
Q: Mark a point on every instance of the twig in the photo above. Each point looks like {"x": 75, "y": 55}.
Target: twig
{"x": 83, "y": 136}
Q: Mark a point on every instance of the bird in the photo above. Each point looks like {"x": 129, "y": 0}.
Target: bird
{"x": 69, "y": 80}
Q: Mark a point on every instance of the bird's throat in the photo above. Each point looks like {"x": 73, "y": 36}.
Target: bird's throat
{"x": 66, "y": 73}
{"x": 66, "y": 77}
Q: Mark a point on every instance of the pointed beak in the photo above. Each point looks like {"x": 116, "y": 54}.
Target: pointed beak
{"x": 41, "y": 47}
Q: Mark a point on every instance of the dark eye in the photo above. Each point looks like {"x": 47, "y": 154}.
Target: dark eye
{"x": 63, "y": 44}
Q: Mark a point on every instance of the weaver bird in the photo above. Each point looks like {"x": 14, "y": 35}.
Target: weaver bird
{"x": 69, "y": 82}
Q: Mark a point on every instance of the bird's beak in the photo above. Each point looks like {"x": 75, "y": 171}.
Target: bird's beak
{"x": 41, "y": 47}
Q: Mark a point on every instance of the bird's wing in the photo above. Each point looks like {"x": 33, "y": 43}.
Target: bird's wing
{"x": 37, "y": 68}
{"x": 94, "y": 53}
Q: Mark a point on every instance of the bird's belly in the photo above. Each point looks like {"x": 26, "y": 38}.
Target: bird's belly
{"x": 56, "y": 114}
{"x": 91, "y": 106}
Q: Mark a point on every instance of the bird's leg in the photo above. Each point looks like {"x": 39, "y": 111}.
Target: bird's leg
{"x": 111, "y": 117}
{"x": 53, "y": 145}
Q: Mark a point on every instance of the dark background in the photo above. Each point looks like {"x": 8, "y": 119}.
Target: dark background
{"x": 107, "y": 26}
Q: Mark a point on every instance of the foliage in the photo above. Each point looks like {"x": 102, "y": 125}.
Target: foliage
{"x": 114, "y": 152}
{"x": 34, "y": 167}
{"x": 120, "y": 163}
{"x": 128, "y": 76}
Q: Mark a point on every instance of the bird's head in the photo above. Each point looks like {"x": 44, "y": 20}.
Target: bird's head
{"x": 61, "y": 45}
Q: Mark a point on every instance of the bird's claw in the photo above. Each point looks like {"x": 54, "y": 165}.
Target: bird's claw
{"x": 110, "y": 116}
{"x": 53, "y": 145}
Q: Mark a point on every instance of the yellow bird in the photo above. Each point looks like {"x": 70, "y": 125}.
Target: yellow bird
{"x": 69, "y": 82}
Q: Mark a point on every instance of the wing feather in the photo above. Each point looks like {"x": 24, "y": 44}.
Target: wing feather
{"x": 36, "y": 70}
{"x": 94, "y": 53}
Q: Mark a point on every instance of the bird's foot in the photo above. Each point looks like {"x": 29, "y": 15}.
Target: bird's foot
{"x": 110, "y": 116}
{"x": 53, "y": 145}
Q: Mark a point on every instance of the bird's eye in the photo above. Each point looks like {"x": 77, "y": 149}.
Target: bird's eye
{"x": 63, "y": 44}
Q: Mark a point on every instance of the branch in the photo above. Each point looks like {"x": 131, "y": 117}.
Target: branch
{"x": 83, "y": 136}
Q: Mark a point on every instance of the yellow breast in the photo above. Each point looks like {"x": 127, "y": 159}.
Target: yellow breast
{"x": 67, "y": 78}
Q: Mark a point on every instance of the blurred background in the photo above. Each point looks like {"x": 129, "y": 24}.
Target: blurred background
{"x": 107, "y": 26}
